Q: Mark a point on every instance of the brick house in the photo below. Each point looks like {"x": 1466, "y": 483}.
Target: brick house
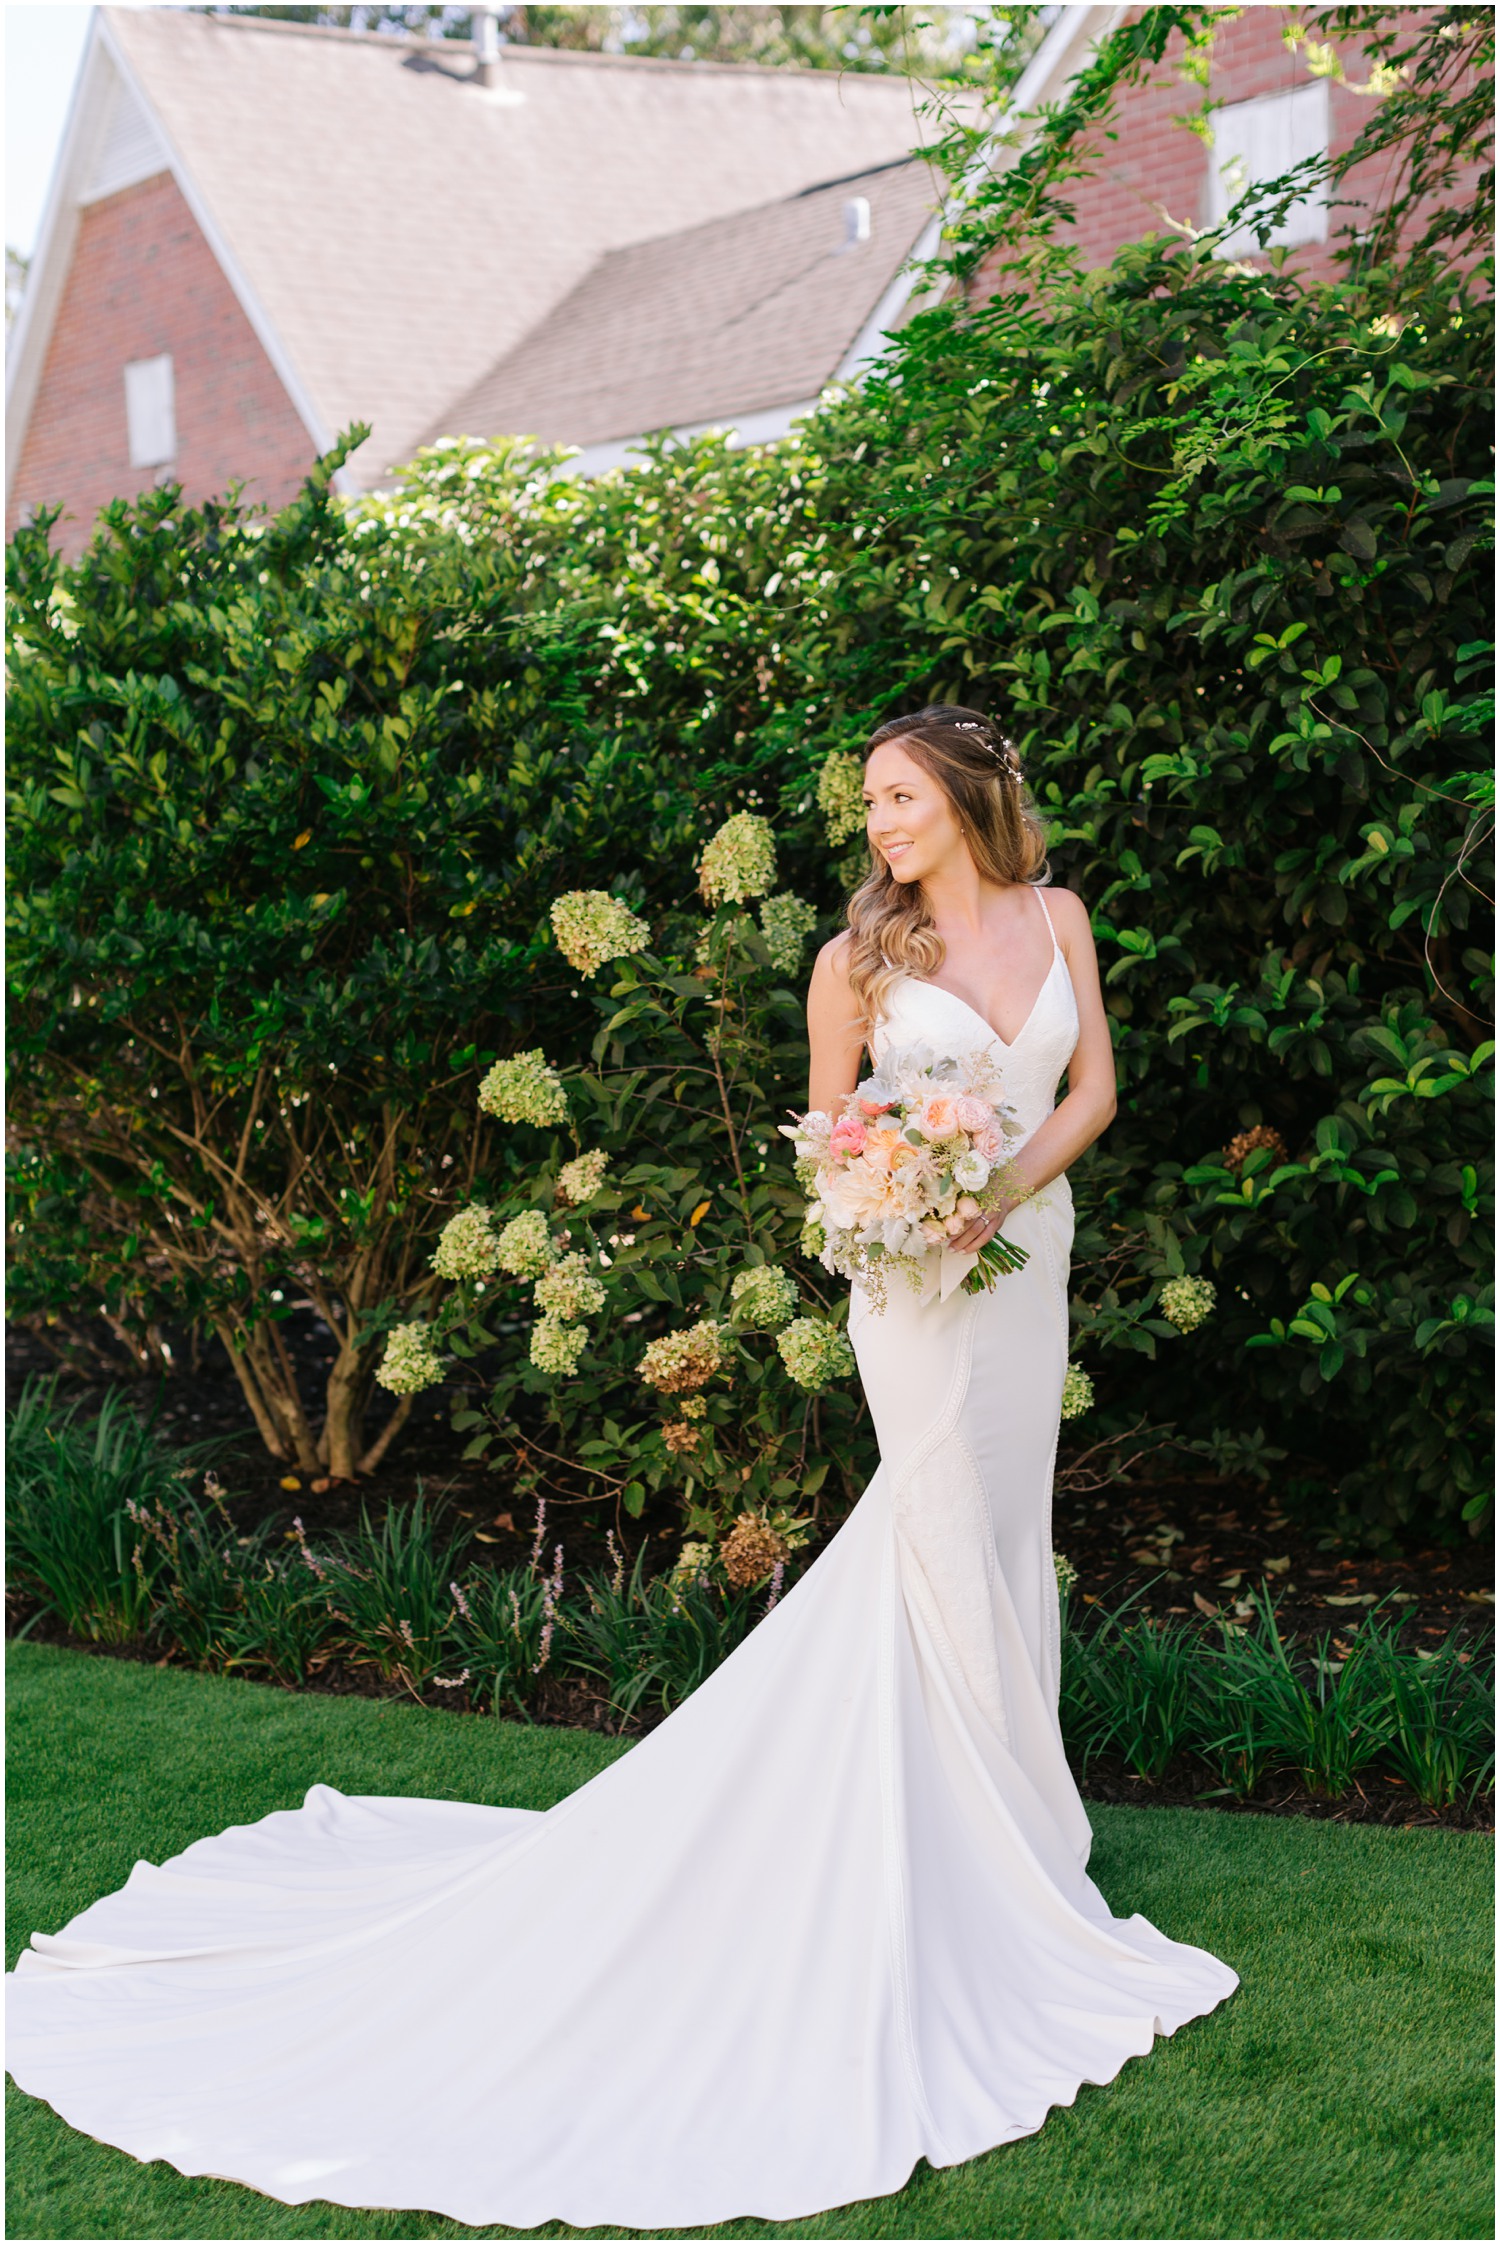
{"x": 1270, "y": 110}
{"x": 260, "y": 231}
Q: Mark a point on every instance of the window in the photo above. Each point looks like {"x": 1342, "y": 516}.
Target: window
{"x": 1256, "y": 140}
{"x": 151, "y": 411}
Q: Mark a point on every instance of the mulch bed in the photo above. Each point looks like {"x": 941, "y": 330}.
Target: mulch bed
{"x": 1177, "y": 1544}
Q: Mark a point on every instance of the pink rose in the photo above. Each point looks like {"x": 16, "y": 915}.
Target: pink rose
{"x": 990, "y": 1143}
{"x": 975, "y": 1114}
{"x": 939, "y": 1116}
{"x": 848, "y": 1136}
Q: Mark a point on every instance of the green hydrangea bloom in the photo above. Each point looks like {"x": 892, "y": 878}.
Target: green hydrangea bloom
{"x": 1188, "y": 1302}
{"x": 786, "y": 922}
{"x": 1078, "y": 1392}
{"x": 739, "y": 862}
{"x": 764, "y": 1299}
{"x": 578, "y": 1180}
{"x": 569, "y": 1290}
{"x": 468, "y": 1247}
{"x": 524, "y": 1089}
{"x": 525, "y": 1247}
{"x": 815, "y": 1352}
{"x": 556, "y": 1347}
{"x": 841, "y": 797}
{"x": 592, "y": 927}
{"x": 679, "y": 1362}
{"x": 410, "y": 1362}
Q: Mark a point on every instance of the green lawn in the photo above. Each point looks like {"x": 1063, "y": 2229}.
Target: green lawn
{"x": 1342, "y": 2092}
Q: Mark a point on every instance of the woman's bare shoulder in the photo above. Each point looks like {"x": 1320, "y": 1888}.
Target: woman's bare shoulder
{"x": 832, "y": 961}
{"x": 1070, "y": 915}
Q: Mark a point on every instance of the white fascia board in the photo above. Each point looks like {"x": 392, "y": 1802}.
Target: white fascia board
{"x": 26, "y": 350}
{"x": 748, "y": 428}
{"x": 1058, "y": 59}
{"x": 265, "y": 333}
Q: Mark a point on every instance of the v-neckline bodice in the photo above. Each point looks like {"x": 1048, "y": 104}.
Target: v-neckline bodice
{"x": 1006, "y": 1044}
{"x": 1009, "y": 1044}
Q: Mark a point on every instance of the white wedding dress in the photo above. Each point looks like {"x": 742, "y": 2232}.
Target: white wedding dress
{"x": 831, "y": 1918}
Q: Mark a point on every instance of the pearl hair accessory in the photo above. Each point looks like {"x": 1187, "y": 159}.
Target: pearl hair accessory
{"x": 1003, "y": 756}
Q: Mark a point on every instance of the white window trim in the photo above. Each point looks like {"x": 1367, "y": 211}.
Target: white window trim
{"x": 151, "y": 411}
{"x": 1303, "y": 124}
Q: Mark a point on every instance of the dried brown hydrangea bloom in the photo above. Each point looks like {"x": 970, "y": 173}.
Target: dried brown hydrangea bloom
{"x": 681, "y": 1437}
{"x": 679, "y": 1362}
{"x": 750, "y": 1551}
{"x": 1247, "y": 1142}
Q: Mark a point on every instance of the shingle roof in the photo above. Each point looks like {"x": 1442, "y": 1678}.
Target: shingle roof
{"x": 719, "y": 320}
{"x": 403, "y": 228}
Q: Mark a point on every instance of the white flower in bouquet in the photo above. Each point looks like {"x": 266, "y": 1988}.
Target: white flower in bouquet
{"x": 897, "y": 1172}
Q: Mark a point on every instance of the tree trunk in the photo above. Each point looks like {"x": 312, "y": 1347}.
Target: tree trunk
{"x": 387, "y": 1434}
{"x": 342, "y": 1438}
{"x": 245, "y": 1373}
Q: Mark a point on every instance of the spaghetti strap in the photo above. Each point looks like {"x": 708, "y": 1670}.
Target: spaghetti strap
{"x": 1051, "y": 930}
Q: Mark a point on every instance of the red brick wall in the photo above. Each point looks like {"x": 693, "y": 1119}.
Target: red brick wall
{"x": 1156, "y": 170}
{"x": 144, "y": 280}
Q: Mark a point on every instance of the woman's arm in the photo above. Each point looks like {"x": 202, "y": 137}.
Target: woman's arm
{"x": 1088, "y": 1108}
{"x": 835, "y": 1038}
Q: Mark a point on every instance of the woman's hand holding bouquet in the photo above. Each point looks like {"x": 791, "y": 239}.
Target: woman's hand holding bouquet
{"x": 916, "y": 1158}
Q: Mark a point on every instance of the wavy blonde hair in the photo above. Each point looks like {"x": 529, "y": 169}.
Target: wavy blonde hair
{"x": 978, "y": 769}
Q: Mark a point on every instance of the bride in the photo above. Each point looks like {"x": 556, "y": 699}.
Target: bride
{"x": 833, "y": 1916}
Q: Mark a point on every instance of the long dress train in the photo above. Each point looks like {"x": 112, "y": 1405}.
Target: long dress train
{"x": 830, "y": 1918}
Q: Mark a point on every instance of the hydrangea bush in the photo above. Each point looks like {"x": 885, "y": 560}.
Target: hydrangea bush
{"x": 293, "y": 802}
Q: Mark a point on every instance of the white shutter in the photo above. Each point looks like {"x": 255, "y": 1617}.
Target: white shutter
{"x": 151, "y": 411}
{"x": 1261, "y": 139}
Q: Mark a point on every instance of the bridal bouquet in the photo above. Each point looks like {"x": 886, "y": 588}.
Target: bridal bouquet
{"x": 918, "y": 1151}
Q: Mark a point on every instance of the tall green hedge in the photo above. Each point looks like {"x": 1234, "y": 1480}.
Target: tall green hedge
{"x": 291, "y": 802}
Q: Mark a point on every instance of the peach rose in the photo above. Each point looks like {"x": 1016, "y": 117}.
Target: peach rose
{"x": 939, "y": 1116}
{"x": 975, "y": 1114}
